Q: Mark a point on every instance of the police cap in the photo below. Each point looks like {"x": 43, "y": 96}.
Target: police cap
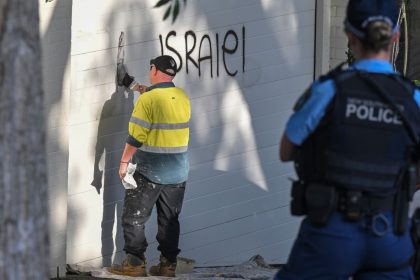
{"x": 165, "y": 63}
{"x": 361, "y": 12}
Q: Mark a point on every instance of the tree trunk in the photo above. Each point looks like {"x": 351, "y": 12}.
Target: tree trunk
{"x": 24, "y": 240}
{"x": 413, "y": 18}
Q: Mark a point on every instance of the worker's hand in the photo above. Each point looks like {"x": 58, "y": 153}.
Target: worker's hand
{"x": 123, "y": 169}
{"x": 140, "y": 88}
{"x": 123, "y": 78}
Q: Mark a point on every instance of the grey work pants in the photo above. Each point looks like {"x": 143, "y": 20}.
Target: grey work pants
{"x": 138, "y": 206}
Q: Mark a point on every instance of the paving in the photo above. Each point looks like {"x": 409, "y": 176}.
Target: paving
{"x": 254, "y": 269}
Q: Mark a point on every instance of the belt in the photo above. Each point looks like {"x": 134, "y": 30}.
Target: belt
{"x": 356, "y": 203}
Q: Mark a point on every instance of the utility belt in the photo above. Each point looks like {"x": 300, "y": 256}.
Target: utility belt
{"x": 318, "y": 202}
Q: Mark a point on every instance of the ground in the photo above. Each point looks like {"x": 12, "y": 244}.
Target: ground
{"x": 254, "y": 269}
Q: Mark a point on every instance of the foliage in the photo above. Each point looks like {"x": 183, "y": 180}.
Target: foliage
{"x": 417, "y": 82}
{"x": 350, "y": 56}
{"x": 173, "y": 8}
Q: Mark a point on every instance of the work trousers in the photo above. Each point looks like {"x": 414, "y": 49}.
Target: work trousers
{"x": 138, "y": 206}
{"x": 366, "y": 249}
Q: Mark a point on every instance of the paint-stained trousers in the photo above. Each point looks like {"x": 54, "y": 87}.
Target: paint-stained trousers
{"x": 138, "y": 206}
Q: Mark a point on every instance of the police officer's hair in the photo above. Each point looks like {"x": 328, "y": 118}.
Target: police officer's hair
{"x": 378, "y": 36}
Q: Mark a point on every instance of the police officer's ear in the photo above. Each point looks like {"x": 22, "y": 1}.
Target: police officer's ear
{"x": 352, "y": 39}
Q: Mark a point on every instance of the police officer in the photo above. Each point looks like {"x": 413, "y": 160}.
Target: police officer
{"x": 352, "y": 137}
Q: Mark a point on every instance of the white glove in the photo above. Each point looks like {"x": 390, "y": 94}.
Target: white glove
{"x": 128, "y": 181}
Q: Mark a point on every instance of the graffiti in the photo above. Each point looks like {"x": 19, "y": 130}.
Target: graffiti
{"x": 211, "y": 50}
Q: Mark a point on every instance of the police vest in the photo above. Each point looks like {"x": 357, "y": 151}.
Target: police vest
{"x": 361, "y": 143}
{"x": 160, "y": 121}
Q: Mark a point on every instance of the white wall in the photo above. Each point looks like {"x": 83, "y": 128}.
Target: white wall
{"x": 322, "y": 37}
{"x": 237, "y": 198}
{"x": 338, "y": 40}
{"x": 55, "y": 23}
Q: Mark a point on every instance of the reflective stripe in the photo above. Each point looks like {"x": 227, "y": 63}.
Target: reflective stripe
{"x": 167, "y": 126}
{"x": 164, "y": 150}
{"x": 170, "y": 126}
{"x": 141, "y": 122}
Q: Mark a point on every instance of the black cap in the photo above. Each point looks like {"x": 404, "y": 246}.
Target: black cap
{"x": 361, "y": 12}
{"x": 165, "y": 63}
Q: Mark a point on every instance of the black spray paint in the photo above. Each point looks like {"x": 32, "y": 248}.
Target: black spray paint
{"x": 204, "y": 54}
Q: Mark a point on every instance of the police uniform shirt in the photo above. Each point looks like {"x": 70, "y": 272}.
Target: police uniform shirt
{"x": 303, "y": 122}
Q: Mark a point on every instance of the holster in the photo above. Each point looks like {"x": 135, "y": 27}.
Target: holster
{"x": 314, "y": 200}
{"x": 298, "y": 203}
{"x": 321, "y": 201}
{"x": 406, "y": 188}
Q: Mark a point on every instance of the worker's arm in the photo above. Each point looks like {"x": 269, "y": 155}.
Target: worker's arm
{"x": 128, "y": 153}
{"x": 140, "y": 88}
{"x": 287, "y": 149}
{"x": 137, "y": 133}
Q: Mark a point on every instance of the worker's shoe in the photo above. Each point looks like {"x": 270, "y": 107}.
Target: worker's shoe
{"x": 164, "y": 268}
{"x": 131, "y": 266}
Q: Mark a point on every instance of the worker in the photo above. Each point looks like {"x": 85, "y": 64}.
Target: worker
{"x": 157, "y": 142}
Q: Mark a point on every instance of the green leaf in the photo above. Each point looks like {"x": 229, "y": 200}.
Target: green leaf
{"x": 167, "y": 13}
{"x": 175, "y": 11}
{"x": 417, "y": 82}
{"x": 161, "y": 3}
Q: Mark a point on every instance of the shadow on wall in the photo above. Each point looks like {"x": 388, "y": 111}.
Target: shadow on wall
{"x": 114, "y": 116}
{"x": 236, "y": 125}
{"x": 234, "y": 163}
{"x": 111, "y": 135}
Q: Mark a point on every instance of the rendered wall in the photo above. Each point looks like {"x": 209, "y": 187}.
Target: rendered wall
{"x": 338, "y": 40}
{"x": 55, "y": 23}
{"x": 237, "y": 197}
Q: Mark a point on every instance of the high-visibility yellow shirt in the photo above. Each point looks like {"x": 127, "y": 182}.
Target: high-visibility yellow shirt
{"x": 160, "y": 120}
{"x": 159, "y": 126}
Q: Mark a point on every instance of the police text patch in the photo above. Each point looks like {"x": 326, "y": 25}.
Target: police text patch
{"x": 367, "y": 111}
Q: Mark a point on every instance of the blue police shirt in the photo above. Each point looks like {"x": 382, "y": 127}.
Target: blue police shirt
{"x": 303, "y": 122}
